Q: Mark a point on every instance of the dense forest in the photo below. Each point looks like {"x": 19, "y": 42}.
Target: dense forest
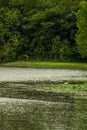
{"x": 43, "y": 30}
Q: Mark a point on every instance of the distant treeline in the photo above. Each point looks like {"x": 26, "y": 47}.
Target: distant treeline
{"x": 38, "y": 30}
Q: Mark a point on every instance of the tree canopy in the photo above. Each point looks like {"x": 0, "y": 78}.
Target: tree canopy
{"x": 81, "y": 36}
{"x": 38, "y": 30}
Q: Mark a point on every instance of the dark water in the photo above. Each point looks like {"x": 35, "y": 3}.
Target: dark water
{"x": 25, "y": 114}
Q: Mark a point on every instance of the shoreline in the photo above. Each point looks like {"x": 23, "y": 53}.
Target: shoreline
{"x": 46, "y": 65}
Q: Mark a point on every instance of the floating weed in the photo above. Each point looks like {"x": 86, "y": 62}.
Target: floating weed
{"x": 55, "y": 88}
{"x": 66, "y": 87}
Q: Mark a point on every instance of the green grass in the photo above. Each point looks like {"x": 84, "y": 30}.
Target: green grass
{"x": 57, "y": 65}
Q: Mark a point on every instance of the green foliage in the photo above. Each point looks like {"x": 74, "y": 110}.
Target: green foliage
{"x": 81, "y": 36}
{"x": 38, "y": 30}
{"x": 56, "y": 47}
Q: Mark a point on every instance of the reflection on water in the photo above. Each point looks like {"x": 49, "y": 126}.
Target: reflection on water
{"x": 30, "y": 74}
{"x": 25, "y": 114}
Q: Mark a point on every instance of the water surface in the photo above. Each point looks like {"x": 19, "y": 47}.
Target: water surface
{"x": 22, "y": 114}
{"x": 31, "y": 74}
{"x": 17, "y": 113}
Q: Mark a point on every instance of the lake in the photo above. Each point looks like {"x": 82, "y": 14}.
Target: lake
{"x": 20, "y": 111}
{"x": 30, "y": 74}
{"x": 25, "y": 114}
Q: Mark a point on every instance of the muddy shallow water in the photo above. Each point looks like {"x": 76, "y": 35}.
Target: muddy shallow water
{"x": 25, "y": 114}
{"x": 29, "y": 74}
{"x": 19, "y": 110}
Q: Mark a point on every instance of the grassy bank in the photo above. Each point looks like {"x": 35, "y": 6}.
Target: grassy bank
{"x": 57, "y": 65}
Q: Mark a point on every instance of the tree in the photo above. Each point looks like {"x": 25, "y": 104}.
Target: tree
{"x": 81, "y": 37}
{"x": 38, "y": 29}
